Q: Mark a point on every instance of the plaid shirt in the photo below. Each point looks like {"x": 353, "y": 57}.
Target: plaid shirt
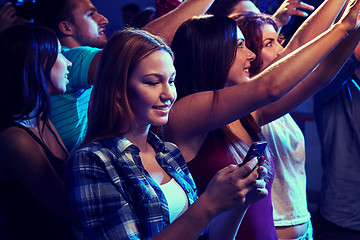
{"x": 112, "y": 193}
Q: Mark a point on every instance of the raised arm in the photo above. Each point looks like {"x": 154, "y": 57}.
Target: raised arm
{"x": 200, "y": 113}
{"x": 166, "y": 25}
{"x": 290, "y": 8}
{"x": 320, "y": 20}
{"x": 316, "y": 80}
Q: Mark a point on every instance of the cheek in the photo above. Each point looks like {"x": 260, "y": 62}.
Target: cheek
{"x": 268, "y": 56}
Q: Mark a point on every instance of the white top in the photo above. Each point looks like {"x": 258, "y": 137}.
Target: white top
{"x": 176, "y": 198}
{"x": 286, "y": 141}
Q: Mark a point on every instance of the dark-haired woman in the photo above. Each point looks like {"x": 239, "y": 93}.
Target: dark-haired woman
{"x": 215, "y": 91}
{"x": 285, "y": 139}
{"x": 33, "y": 200}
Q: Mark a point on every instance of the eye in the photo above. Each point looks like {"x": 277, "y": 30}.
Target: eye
{"x": 172, "y": 81}
{"x": 241, "y": 44}
{"x": 152, "y": 83}
{"x": 90, "y": 14}
{"x": 269, "y": 43}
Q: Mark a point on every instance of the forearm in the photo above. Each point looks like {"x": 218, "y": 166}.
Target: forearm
{"x": 166, "y": 25}
{"x": 237, "y": 101}
{"x": 315, "y": 81}
{"x": 320, "y": 20}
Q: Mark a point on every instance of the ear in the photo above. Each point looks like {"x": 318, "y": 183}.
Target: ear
{"x": 65, "y": 27}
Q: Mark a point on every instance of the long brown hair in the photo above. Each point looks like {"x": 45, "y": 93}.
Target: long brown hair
{"x": 109, "y": 112}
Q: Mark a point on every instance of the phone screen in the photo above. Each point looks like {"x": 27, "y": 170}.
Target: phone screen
{"x": 256, "y": 150}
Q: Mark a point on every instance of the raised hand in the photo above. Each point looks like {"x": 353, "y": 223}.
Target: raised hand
{"x": 8, "y": 16}
{"x": 291, "y": 8}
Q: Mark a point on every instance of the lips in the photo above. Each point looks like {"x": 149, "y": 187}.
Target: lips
{"x": 163, "y": 108}
{"x": 102, "y": 31}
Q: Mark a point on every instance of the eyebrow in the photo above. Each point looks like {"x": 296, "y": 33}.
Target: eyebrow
{"x": 158, "y": 75}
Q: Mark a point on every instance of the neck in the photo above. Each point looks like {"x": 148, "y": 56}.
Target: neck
{"x": 69, "y": 42}
{"x": 139, "y": 138}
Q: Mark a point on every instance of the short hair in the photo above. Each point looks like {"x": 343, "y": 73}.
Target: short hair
{"x": 251, "y": 25}
{"x": 109, "y": 112}
{"x": 223, "y": 7}
{"x": 204, "y": 49}
{"x": 27, "y": 55}
{"x": 50, "y": 13}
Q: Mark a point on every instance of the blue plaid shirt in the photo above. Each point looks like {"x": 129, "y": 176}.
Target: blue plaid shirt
{"x": 112, "y": 193}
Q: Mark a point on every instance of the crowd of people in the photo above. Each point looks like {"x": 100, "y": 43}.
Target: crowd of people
{"x": 141, "y": 135}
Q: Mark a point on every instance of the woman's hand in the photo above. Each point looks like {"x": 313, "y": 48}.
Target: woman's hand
{"x": 235, "y": 186}
{"x": 291, "y": 8}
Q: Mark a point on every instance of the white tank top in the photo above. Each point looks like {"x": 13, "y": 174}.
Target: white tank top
{"x": 176, "y": 198}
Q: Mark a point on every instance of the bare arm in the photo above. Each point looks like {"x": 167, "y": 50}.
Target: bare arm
{"x": 290, "y": 8}
{"x": 320, "y": 20}
{"x": 93, "y": 68}
{"x": 166, "y": 25}
{"x": 316, "y": 80}
{"x": 197, "y": 114}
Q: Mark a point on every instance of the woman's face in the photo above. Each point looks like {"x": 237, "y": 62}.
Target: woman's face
{"x": 239, "y": 70}
{"x": 151, "y": 90}
{"x": 59, "y": 74}
{"x": 271, "y": 47}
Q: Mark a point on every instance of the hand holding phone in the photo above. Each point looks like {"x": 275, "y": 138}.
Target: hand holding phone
{"x": 256, "y": 150}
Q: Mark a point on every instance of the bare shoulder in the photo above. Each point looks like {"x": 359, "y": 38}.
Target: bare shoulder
{"x": 17, "y": 145}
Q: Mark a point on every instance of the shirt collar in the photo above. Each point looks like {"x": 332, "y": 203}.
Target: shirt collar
{"x": 124, "y": 144}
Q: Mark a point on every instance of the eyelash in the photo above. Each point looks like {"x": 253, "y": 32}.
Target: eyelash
{"x": 171, "y": 82}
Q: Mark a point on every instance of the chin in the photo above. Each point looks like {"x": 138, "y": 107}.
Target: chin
{"x": 160, "y": 123}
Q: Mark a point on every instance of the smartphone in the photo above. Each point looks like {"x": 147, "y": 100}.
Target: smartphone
{"x": 256, "y": 150}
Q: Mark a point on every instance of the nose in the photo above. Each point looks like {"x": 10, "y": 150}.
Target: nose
{"x": 103, "y": 21}
{"x": 168, "y": 93}
{"x": 250, "y": 55}
{"x": 68, "y": 63}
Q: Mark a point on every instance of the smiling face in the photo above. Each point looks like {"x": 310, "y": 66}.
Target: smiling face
{"x": 239, "y": 70}
{"x": 151, "y": 89}
{"x": 59, "y": 74}
{"x": 271, "y": 47}
{"x": 88, "y": 24}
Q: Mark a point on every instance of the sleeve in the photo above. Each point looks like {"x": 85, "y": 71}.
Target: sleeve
{"x": 164, "y": 6}
{"x": 81, "y": 58}
{"x": 345, "y": 74}
{"x": 101, "y": 207}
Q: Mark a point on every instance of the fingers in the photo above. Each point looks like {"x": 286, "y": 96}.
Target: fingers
{"x": 249, "y": 166}
{"x": 261, "y": 193}
{"x": 262, "y": 171}
{"x": 8, "y": 11}
{"x": 296, "y": 8}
